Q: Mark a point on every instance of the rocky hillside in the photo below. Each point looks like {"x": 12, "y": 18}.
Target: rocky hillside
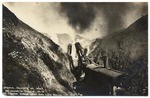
{"x": 32, "y": 60}
{"x": 128, "y": 52}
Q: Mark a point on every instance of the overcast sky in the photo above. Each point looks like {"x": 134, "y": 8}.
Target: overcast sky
{"x": 90, "y": 20}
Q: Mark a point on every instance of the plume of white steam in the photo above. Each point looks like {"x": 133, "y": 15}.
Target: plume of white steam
{"x": 45, "y": 17}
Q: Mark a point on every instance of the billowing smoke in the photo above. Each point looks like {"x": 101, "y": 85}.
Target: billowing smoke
{"x": 89, "y": 20}
{"x": 80, "y": 15}
{"x": 115, "y": 15}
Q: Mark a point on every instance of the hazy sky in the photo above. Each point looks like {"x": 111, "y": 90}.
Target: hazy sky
{"x": 90, "y": 20}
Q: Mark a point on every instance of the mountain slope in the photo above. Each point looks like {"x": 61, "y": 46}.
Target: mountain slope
{"x": 127, "y": 51}
{"x": 32, "y": 60}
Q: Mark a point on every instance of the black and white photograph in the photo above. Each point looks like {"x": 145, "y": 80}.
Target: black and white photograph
{"x": 75, "y": 48}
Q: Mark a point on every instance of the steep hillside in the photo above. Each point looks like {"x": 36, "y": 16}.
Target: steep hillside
{"x": 32, "y": 60}
{"x": 128, "y": 52}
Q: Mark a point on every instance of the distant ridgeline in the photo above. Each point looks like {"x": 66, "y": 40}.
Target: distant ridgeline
{"x": 34, "y": 65}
